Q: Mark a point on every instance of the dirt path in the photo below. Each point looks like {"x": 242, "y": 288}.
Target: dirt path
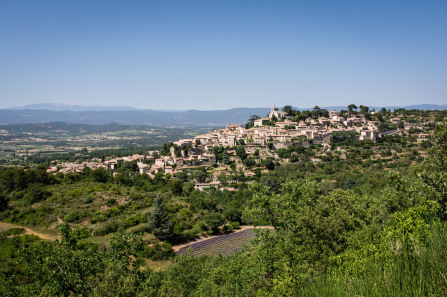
{"x": 28, "y": 231}
{"x": 178, "y": 247}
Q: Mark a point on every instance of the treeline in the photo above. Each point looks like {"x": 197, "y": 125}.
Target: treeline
{"x": 383, "y": 115}
{"x": 84, "y": 155}
{"x": 55, "y": 128}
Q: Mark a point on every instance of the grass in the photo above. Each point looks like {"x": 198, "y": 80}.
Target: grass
{"x": 99, "y": 240}
{"x": 158, "y": 265}
{"x": 410, "y": 273}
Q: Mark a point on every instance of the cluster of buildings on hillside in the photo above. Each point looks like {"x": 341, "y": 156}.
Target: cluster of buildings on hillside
{"x": 152, "y": 164}
{"x": 188, "y": 154}
{"x": 285, "y": 132}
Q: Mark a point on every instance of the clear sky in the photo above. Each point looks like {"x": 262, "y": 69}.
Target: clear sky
{"x": 223, "y": 54}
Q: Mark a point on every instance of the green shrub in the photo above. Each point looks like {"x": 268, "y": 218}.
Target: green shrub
{"x": 35, "y": 194}
{"x": 71, "y": 217}
{"x": 139, "y": 231}
{"x": 235, "y": 225}
{"x": 99, "y": 216}
{"x": 130, "y": 221}
{"x": 14, "y": 231}
{"x": 74, "y": 194}
{"x": 227, "y": 228}
{"x": 203, "y": 226}
{"x": 16, "y": 195}
{"x": 158, "y": 251}
{"x": 136, "y": 197}
{"x": 214, "y": 221}
{"x": 109, "y": 228}
{"x": 233, "y": 215}
{"x": 81, "y": 232}
{"x": 191, "y": 234}
{"x": 58, "y": 198}
{"x": 180, "y": 226}
{"x": 110, "y": 202}
{"x": 116, "y": 210}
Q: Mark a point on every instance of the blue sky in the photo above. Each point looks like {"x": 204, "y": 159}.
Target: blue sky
{"x": 223, "y": 54}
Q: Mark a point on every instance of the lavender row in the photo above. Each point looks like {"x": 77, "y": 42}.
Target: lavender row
{"x": 225, "y": 244}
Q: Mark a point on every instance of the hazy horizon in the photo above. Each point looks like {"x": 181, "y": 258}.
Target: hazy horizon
{"x": 117, "y": 107}
{"x": 219, "y": 55}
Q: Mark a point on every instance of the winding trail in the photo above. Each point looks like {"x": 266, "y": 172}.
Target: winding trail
{"x": 28, "y": 231}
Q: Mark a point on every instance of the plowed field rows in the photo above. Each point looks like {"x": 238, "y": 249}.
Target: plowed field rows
{"x": 220, "y": 245}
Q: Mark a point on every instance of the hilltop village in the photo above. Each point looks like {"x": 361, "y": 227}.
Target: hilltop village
{"x": 219, "y": 158}
{"x": 327, "y": 186}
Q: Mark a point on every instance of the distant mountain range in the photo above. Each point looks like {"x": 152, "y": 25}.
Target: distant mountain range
{"x": 101, "y": 115}
{"x": 190, "y": 118}
{"x": 71, "y": 107}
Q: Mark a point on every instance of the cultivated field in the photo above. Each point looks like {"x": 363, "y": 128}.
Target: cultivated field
{"x": 20, "y": 141}
{"x": 226, "y": 244}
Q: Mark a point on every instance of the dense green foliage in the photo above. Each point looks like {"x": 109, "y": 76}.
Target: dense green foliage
{"x": 353, "y": 223}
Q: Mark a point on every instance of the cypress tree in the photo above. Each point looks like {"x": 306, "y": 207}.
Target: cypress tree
{"x": 160, "y": 223}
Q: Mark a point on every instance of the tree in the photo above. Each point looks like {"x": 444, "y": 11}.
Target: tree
{"x": 288, "y": 109}
{"x": 293, "y": 158}
{"x": 251, "y": 121}
{"x": 100, "y": 175}
{"x": 302, "y": 116}
{"x": 214, "y": 221}
{"x": 222, "y": 178}
{"x": 175, "y": 186}
{"x": 225, "y": 158}
{"x": 240, "y": 151}
{"x": 188, "y": 188}
{"x": 310, "y": 228}
{"x": 250, "y": 162}
{"x": 268, "y": 163}
{"x": 86, "y": 171}
{"x": 182, "y": 176}
{"x": 216, "y": 151}
{"x": 351, "y": 108}
{"x": 364, "y": 109}
{"x": 160, "y": 223}
{"x": 3, "y": 202}
{"x": 62, "y": 268}
{"x": 199, "y": 174}
{"x": 435, "y": 166}
{"x": 316, "y": 111}
{"x": 36, "y": 193}
{"x": 343, "y": 113}
{"x": 233, "y": 215}
{"x": 124, "y": 178}
{"x": 129, "y": 166}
